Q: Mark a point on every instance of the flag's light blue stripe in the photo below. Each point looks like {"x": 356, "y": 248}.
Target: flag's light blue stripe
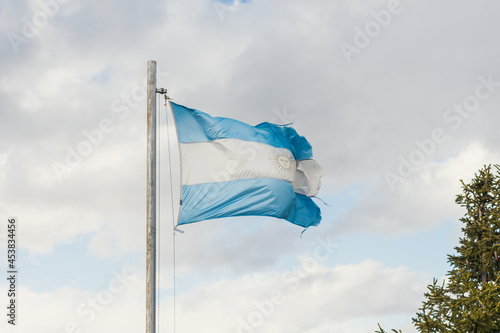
{"x": 307, "y": 213}
{"x": 197, "y": 126}
{"x": 298, "y": 145}
{"x": 259, "y": 197}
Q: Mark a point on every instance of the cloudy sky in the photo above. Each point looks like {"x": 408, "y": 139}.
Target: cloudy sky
{"x": 397, "y": 98}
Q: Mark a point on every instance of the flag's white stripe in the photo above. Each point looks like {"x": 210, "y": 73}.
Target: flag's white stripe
{"x": 233, "y": 159}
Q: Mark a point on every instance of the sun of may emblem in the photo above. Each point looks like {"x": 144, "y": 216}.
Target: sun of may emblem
{"x": 283, "y": 162}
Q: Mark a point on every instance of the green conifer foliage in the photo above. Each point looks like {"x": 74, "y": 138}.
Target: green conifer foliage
{"x": 469, "y": 300}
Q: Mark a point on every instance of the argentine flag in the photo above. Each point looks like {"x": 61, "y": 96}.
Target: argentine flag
{"x": 229, "y": 168}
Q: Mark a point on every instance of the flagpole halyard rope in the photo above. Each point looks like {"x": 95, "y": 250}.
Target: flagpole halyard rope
{"x": 174, "y": 279}
{"x": 168, "y": 101}
{"x": 172, "y": 209}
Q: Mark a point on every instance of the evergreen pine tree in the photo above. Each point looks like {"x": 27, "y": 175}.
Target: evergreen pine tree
{"x": 470, "y": 300}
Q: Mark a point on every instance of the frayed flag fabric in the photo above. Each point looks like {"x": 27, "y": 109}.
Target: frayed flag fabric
{"x": 229, "y": 168}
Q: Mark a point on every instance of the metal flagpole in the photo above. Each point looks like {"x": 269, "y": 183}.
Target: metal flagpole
{"x": 151, "y": 201}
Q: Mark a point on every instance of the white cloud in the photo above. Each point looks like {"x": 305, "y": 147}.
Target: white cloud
{"x": 309, "y": 297}
{"x": 423, "y": 200}
{"x": 71, "y": 310}
{"x": 312, "y": 298}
